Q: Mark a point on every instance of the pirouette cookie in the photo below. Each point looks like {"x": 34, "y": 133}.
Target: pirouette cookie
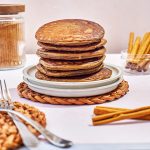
{"x": 63, "y": 55}
{"x": 70, "y": 73}
{"x": 70, "y": 32}
{"x": 10, "y": 138}
{"x": 65, "y": 65}
{"x": 104, "y": 73}
{"x": 87, "y": 47}
{"x": 27, "y": 93}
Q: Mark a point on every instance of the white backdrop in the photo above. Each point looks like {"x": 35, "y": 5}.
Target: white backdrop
{"x": 118, "y": 17}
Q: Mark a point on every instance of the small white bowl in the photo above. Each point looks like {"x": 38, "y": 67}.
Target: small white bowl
{"x": 73, "y": 92}
{"x": 29, "y": 73}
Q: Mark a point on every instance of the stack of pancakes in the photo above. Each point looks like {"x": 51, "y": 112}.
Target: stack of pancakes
{"x": 71, "y": 50}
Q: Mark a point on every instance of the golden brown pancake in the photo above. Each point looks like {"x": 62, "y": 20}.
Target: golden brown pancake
{"x": 70, "y": 73}
{"x": 70, "y": 32}
{"x": 87, "y": 47}
{"x": 66, "y": 65}
{"x": 62, "y": 55}
{"x": 104, "y": 73}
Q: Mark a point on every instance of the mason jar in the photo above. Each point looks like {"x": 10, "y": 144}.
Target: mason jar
{"x": 12, "y": 43}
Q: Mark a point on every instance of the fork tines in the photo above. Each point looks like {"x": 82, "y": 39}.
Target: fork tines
{"x": 5, "y": 96}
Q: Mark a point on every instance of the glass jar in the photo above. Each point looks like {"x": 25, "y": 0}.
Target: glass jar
{"x": 136, "y": 64}
{"x": 12, "y": 54}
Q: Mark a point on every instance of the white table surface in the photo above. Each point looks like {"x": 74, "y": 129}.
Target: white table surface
{"x": 74, "y": 122}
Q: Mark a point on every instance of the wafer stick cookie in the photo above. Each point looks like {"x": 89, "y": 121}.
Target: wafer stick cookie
{"x": 99, "y": 110}
{"x": 129, "y": 114}
{"x": 131, "y": 40}
{"x": 144, "y": 38}
{"x": 136, "y": 46}
{"x": 141, "y": 49}
{"x": 148, "y": 49}
{"x": 146, "y": 45}
{"x": 141, "y": 65}
{"x": 131, "y": 57}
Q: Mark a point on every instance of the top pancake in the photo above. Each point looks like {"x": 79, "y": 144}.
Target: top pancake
{"x": 70, "y": 32}
{"x": 87, "y": 47}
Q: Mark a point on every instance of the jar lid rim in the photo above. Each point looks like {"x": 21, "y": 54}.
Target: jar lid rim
{"x": 6, "y": 9}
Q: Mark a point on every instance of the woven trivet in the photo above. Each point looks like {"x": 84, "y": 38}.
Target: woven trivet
{"x": 9, "y": 135}
{"x": 27, "y": 93}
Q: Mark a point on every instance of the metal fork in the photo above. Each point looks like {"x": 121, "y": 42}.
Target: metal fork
{"x": 49, "y": 136}
{"x": 29, "y": 139}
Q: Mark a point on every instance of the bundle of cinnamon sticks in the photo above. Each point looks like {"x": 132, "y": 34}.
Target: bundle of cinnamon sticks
{"x": 105, "y": 115}
{"x": 139, "y": 53}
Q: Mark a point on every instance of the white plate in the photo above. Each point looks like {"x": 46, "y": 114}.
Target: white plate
{"x": 29, "y": 73}
{"x": 73, "y": 92}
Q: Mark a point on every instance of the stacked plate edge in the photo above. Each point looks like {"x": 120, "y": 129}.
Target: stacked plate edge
{"x": 73, "y": 89}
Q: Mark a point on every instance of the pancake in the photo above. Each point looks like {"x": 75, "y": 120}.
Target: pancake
{"x": 70, "y": 73}
{"x": 87, "y": 47}
{"x": 71, "y": 65}
{"x": 62, "y": 55}
{"x": 70, "y": 32}
{"x": 104, "y": 73}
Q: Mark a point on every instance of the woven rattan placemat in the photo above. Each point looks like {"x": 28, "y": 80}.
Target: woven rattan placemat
{"x": 9, "y": 134}
{"x": 27, "y": 93}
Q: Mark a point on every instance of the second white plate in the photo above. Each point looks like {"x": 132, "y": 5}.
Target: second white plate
{"x": 29, "y": 73}
{"x": 73, "y": 92}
